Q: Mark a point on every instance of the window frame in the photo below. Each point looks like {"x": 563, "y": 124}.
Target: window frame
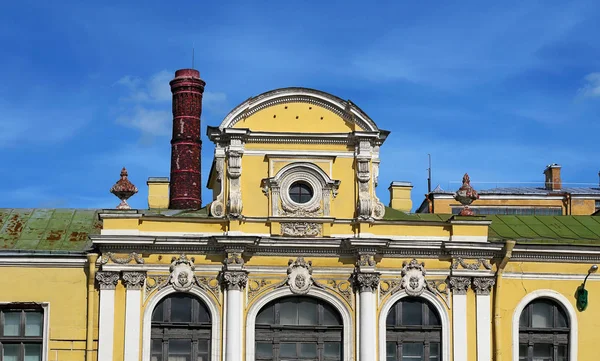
{"x": 424, "y": 333}
{"x": 167, "y": 329}
{"x": 555, "y": 335}
{"x": 43, "y": 308}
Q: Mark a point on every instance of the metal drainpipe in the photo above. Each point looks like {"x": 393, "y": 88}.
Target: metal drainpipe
{"x": 508, "y": 248}
{"x": 89, "y": 340}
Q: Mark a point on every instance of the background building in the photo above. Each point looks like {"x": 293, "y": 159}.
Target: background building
{"x": 294, "y": 258}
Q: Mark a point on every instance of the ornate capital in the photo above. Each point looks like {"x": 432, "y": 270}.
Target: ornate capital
{"x": 483, "y": 285}
{"x": 134, "y": 280}
{"x": 460, "y": 285}
{"x": 234, "y": 280}
{"x": 107, "y": 280}
{"x": 366, "y": 281}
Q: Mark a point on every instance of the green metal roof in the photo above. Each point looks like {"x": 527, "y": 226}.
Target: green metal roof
{"x": 47, "y": 229}
{"x": 546, "y": 229}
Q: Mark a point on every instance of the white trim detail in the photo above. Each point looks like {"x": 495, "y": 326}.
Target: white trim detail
{"x": 549, "y": 276}
{"x": 368, "y": 321}
{"x": 233, "y": 328}
{"x": 133, "y": 302}
{"x": 215, "y": 334}
{"x": 564, "y": 302}
{"x": 484, "y": 328}
{"x": 106, "y": 325}
{"x": 313, "y": 292}
{"x": 32, "y": 261}
{"x": 45, "y": 327}
{"x": 468, "y": 238}
{"x": 459, "y": 326}
{"x": 440, "y": 308}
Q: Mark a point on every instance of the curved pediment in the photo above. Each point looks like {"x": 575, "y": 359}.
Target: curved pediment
{"x": 298, "y": 109}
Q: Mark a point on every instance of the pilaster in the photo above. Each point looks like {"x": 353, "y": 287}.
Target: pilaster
{"x": 107, "y": 282}
{"x": 459, "y": 286}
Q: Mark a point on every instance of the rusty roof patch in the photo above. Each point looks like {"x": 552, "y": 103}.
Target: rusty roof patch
{"x": 47, "y": 229}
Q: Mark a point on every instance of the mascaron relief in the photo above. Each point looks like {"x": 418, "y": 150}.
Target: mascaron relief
{"x": 182, "y": 273}
{"x": 299, "y": 276}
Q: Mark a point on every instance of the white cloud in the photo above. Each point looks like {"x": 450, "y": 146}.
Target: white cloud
{"x": 148, "y": 121}
{"x": 592, "y": 85}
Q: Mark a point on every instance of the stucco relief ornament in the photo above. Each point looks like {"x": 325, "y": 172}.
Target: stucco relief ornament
{"x": 182, "y": 273}
{"x": 465, "y": 195}
{"x": 299, "y": 276}
{"x": 413, "y": 277}
{"x": 123, "y": 189}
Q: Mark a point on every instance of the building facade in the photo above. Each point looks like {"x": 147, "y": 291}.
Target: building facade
{"x": 294, "y": 258}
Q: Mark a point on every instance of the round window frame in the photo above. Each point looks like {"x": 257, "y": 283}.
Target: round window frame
{"x": 301, "y": 182}
{"x": 301, "y": 175}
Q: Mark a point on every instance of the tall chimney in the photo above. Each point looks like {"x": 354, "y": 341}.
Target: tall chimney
{"x": 553, "y": 181}
{"x": 187, "y": 89}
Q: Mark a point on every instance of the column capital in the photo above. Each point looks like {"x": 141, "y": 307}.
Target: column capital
{"x": 366, "y": 281}
{"x": 483, "y": 285}
{"x": 134, "y": 280}
{"x": 460, "y": 285}
{"x": 107, "y": 280}
{"x": 234, "y": 280}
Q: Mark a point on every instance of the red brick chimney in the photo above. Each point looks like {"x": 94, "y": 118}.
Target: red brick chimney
{"x": 553, "y": 181}
{"x": 187, "y": 89}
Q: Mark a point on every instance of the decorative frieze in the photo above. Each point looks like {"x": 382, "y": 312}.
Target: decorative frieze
{"x": 483, "y": 285}
{"x": 107, "y": 280}
{"x": 133, "y": 256}
{"x": 471, "y": 266}
{"x": 234, "y": 280}
{"x": 301, "y": 229}
{"x": 366, "y": 281}
{"x": 134, "y": 280}
{"x": 460, "y": 285}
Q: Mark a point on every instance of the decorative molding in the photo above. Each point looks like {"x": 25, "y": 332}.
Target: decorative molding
{"x": 413, "y": 277}
{"x": 134, "y": 280}
{"x": 299, "y": 276}
{"x": 483, "y": 285}
{"x": 124, "y": 260}
{"x": 235, "y": 150}
{"x": 460, "y": 285}
{"x": 366, "y": 281}
{"x": 256, "y": 286}
{"x": 368, "y": 207}
{"x": 344, "y": 288}
{"x": 234, "y": 258}
{"x": 472, "y": 266}
{"x": 301, "y": 229}
{"x": 388, "y": 285}
{"x": 217, "y": 207}
{"x": 107, "y": 280}
{"x": 234, "y": 280}
{"x": 182, "y": 273}
{"x": 440, "y": 287}
{"x": 156, "y": 282}
{"x": 366, "y": 260}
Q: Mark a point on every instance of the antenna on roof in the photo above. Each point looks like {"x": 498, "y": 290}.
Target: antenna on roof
{"x": 429, "y": 174}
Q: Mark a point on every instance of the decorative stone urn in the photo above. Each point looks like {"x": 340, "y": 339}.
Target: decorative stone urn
{"x": 465, "y": 196}
{"x": 123, "y": 189}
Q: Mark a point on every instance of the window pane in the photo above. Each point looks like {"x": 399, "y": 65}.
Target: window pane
{"x": 181, "y": 309}
{"x": 390, "y": 351}
{"x": 287, "y": 350}
{"x": 523, "y": 352}
{"x": 264, "y": 350}
{"x": 12, "y": 321}
{"x": 332, "y": 349}
{"x": 524, "y": 319}
{"x": 288, "y": 314}
{"x": 434, "y": 320}
{"x": 11, "y": 352}
{"x": 203, "y": 314}
{"x": 307, "y": 313}
{"x": 562, "y": 353}
{"x": 561, "y": 318}
{"x": 33, "y": 324}
{"x": 33, "y": 352}
{"x": 266, "y": 316}
{"x": 203, "y": 346}
{"x": 391, "y": 317}
{"x": 157, "y": 314}
{"x": 434, "y": 351}
{"x": 412, "y": 313}
{"x": 330, "y": 316}
{"x": 541, "y": 316}
{"x": 180, "y": 350}
{"x": 412, "y": 351}
{"x": 542, "y": 352}
{"x": 308, "y": 350}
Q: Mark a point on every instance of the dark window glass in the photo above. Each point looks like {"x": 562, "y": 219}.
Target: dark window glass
{"x": 413, "y": 332}
{"x": 298, "y": 328}
{"x": 181, "y": 329}
{"x": 21, "y": 335}
{"x": 543, "y": 332}
{"x": 300, "y": 192}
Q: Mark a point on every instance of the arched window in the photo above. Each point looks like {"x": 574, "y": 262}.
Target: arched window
{"x": 298, "y": 328}
{"x": 181, "y": 329}
{"x": 413, "y": 331}
{"x": 543, "y": 332}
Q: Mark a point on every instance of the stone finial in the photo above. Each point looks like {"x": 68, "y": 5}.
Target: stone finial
{"x": 465, "y": 196}
{"x": 123, "y": 189}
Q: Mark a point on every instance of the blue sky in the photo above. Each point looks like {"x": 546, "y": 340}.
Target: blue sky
{"x": 496, "y": 89}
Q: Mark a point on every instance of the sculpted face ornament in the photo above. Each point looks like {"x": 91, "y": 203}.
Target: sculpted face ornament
{"x": 299, "y": 277}
{"x": 182, "y": 273}
{"x": 413, "y": 277}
